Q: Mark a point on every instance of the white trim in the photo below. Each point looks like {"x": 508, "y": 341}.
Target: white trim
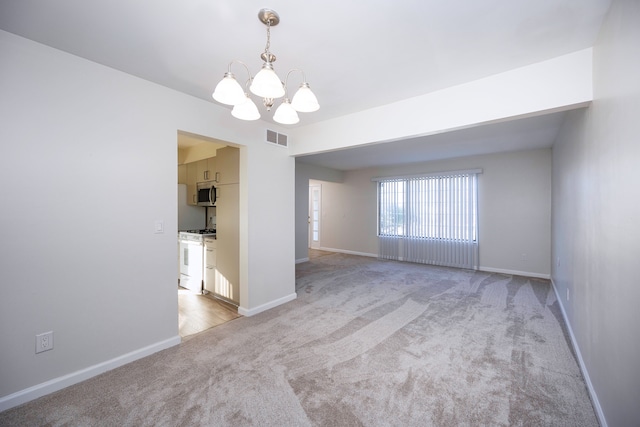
{"x": 264, "y": 307}
{"x": 344, "y": 251}
{"x": 583, "y": 368}
{"x": 515, "y": 272}
{"x": 301, "y": 260}
{"x": 39, "y": 390}
{"x": 426, "y": 175}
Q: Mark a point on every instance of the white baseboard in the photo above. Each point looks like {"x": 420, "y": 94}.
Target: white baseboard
{"x": 344, "y": 251}
{"x": 39, "y": 390}
{"x": 264, "y": 307}
{"x": 301, "y": 260}
{"x": 487, "y": 269}
{"x": 515, "y": 272}
{"x": 583, "y": 368}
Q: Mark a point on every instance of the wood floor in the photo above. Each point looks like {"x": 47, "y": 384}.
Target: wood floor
{"x": 197, "y": 313}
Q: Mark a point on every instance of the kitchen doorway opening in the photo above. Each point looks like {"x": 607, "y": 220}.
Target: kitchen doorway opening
{"x": 208, "y": 237}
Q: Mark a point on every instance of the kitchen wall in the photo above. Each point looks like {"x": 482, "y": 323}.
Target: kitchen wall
{"x": 514, "y": 209}
{"x": 596, "y": 207}
{"x": 197, "y": 152}
{"x": 87, "y": 165}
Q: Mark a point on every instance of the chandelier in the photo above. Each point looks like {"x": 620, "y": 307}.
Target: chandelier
{"x": 266, "y": 85}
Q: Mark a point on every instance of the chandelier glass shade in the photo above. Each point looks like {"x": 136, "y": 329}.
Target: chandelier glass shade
{"x": 267, "y": 85}
{"x": 247, "y": 110}
{"x": 286, "y": 114}
{"x": 229, "y": 91}
{"x": 304, "y": 100}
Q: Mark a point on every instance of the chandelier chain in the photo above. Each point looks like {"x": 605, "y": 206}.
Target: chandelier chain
{"x": 266, "y": 48}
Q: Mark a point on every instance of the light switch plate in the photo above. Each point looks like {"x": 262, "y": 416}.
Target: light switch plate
{"x": 159, "y": 226}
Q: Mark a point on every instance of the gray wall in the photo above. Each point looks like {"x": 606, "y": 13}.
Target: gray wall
{"x": 514, "y": 203}
{"x": 88, "y": 161}
{"x": 596, "y": 209}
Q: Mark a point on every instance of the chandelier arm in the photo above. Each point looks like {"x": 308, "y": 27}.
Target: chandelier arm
{"x": 245, "y": 67}
{"x": 304, "y": 79}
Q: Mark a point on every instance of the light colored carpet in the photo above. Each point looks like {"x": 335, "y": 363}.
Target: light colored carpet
{"x": 367, "y": 343}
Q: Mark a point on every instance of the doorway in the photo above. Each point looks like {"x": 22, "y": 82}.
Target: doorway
{"x": 205, "y": 160}
{"x": 315, "y": 215}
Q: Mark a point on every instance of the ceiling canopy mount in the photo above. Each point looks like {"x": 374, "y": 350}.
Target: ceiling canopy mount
{"x": 269, "y": 17}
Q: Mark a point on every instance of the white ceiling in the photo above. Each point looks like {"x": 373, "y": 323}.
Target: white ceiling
{"x": 356, "y": 55}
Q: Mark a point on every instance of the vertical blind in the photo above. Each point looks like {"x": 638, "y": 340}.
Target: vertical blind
{"x": 430, "y": 219}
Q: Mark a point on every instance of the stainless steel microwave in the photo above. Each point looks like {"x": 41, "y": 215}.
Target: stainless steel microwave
{"x": 206, "y": 193}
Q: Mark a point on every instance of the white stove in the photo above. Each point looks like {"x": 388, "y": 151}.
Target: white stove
{"x": 200, "y": 232}
{"x": 191, "y": 244}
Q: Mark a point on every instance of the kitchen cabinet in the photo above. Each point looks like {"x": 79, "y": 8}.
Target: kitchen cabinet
{"x": 202, "y": 170}
{"x": 210, "y": 249}
{"x": 207, "y": 169}
{"x": 228, "y": 165}
{"x": 192, "y": 178}
{"x": 228, "y": 242}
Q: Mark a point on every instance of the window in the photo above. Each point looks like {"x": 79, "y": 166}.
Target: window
{"x": 430, "y": 218}
{"x": 441, "y": 207}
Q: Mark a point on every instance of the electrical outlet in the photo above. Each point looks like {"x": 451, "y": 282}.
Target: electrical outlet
{"x": 44, "y": 342}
